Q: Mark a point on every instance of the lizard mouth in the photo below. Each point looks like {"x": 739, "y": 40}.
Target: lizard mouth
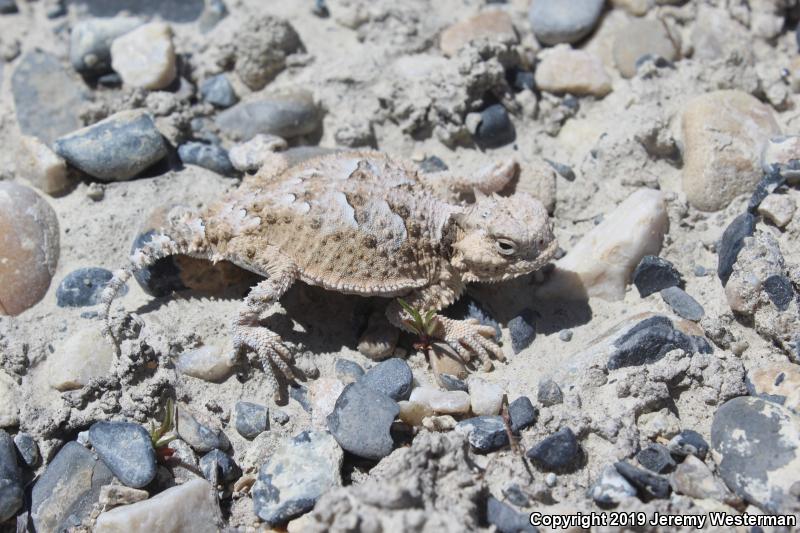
{"x": 523, "y": 267}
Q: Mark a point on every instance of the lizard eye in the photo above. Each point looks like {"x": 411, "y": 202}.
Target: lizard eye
{"x": 505, "y": 246}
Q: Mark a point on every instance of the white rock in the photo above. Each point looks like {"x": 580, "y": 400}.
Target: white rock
{"x": 601, "y": 263}
{"x": 442, "y": 402}
{"x": 659, "y": 424}
{"x": 38, "y": 164}
{"x": 251, "y": 155}
{"x": 188, "y": 507}
{"x": 778, "y": 208}
{"x": 9, "y": 410}
{"x": 412, "y": 413}
{"x": 323, "y": 394}
{"x": 485, "y": 398}
{"x": 145, "y": 57}
{"x": 208, "y": 362}
{"x": 82, "y": 357}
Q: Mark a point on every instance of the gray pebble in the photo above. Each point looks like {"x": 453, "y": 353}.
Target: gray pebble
{"x": 654, "y": 273}
{"x": 347, "y": 371}
{"x": 556, "y": 21}
{"x": 522, "y": 330}
{"x": 656, "y": 458}
{"x": 28, "y": 449}
{"x": 171, "y": 10}
{"x": 549, "y": 393}
{"x": 296, "y": 475}
{"x": 200, "y": 437}
{"x": 682, "y": 304}
{"x": 391, "y": 377}
{"x": 46, "y": 97}
{"x": 210, "y": 156}
{"x": 8, "y": 7}
{"x": 251, "y": 419}
{"x": 731, "y": 244}
{"x": 219, "y": 468}
{"x": 284, "y": 115}
{"x": 651, "y": 339}
{"x": 485, "y": 433}
{"x": 114, "y": 149}
{"x": 300, "y": 395}
{"x": 565, "y": 335}
{"x": 451, "y": 383}
{"x": 647, "y": 485}
{"x": 218, "y": 91}
{"x": 84, "y": 287}
{"x": 522, "y": 413}
{"x": 127, "y": 450}
{"x": 69, "y": 488}
{"x": 361, "y": 419}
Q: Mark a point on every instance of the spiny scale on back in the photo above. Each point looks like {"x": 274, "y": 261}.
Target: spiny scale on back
{"x": 360, "y": 223}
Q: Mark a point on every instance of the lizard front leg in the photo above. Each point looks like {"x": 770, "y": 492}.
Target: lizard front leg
{"x": 468, "y": 337}
{"x": 248, "y": 334}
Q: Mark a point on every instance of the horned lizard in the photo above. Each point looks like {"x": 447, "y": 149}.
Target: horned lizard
{"x": 360, "y": 223}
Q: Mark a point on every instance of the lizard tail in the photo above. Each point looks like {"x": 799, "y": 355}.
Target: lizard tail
{"x": 158, "y": 247}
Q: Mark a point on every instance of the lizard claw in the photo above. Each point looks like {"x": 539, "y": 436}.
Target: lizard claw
{"x": 470, "y": 338}
{"x": 269, "y": 348}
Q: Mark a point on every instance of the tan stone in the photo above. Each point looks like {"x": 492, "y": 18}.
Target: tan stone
{"x": 485, "y": 398}
{"x": 188, "y": 507}
{"x": 29, "y": 247}
{"x": 778, "y": 208}
{"x": 641, "y": 37}
{"x": 145, "y": 57}
{"x": 564, "y": 70}
{"x": 38, "y": 164}
{"x": 492, "y": 24}
{"x": 442, "y": 402}
{"x": 209, "y": 363}
{"x": 83, "y": 356}
{"x": 723, "y": 132}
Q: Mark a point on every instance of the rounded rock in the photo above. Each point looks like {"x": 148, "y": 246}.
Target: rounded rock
{"x": 348, "y": 371}
{"x": 84, "y": 287}
{"x": 577, "y": 72}
{"x": 653, "y": 274}
{"x": 218, "y": 91}
{"x": 522, "y": 414}
{"x": 28, "y": 449}
{"x": 556, "y": 21}
{"x": 494, "y": 25}
{"x": 202, "y": 437}
{"x": 29, "y": 246}
{"x": 116, "y": 148}
{"x": 252, "y": 419}
{"x": 485, "y": 398}
{"x": 361, "y": 419}
{"x": 127, "y": 450}
{"x": 485, "y": 433}
{"x": 682, "y": 304}
{"x": 145, "y": 57}
{"x": 219, "y": 468}
{"x": 391, "y": 377}
{"x": 522, "y": 329}
{"x": 287, "y": 115}
{"x": 723, "y": 132}
{"x": 549, "y": 393}
{"x": 495, "y": 128}
{"x": 688, "y": 442}
{"x": 38, "y": 164}
{"x": 656, "y": 458}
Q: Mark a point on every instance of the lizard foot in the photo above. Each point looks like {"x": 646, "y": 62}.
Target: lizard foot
{"x": 470, "y": 339}
{"x": 268, "y": 348}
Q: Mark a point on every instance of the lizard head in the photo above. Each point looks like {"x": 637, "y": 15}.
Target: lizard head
{"x": 501, "y": 238}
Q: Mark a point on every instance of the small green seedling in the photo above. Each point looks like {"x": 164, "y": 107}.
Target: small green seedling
{"x": 162, "y": 435}
{"x": 422, "y": 325}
